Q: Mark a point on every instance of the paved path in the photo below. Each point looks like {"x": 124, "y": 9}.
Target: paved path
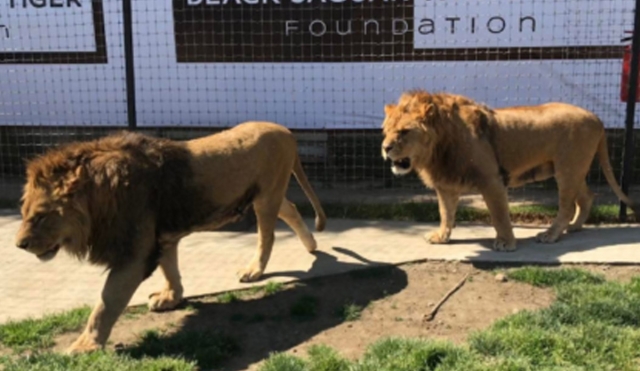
{"x": 209, "y": 260}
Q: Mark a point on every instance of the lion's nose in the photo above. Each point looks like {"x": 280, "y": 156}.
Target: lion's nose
{"x": 23, "y": 244}
{"x": 388, "y": 148}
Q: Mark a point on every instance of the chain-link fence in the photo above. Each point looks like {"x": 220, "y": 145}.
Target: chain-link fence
{"x": 78, "y": 69}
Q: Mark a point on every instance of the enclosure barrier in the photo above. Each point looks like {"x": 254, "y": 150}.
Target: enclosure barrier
{"x": 79, "y": 69}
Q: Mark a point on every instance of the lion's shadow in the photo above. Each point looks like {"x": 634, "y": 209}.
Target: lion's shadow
{"x": 277, "y": 322}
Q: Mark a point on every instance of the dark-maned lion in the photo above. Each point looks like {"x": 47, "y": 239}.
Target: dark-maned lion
{"x": 456, "y": 145}
{"x": 125, "y": 201}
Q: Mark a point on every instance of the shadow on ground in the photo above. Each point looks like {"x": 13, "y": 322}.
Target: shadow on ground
{"x": 597, "y": 244}
{"x": 234, "y": 335}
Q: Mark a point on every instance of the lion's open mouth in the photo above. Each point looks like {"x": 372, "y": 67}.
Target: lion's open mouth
{"x": 401, "y": 167}
{"x": 403, "y": 164}
{"x": 49, "y": 254}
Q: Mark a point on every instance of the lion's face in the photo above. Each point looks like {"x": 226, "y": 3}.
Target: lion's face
{"x": 405, "y": 138}
{"x": 50, "y": 223}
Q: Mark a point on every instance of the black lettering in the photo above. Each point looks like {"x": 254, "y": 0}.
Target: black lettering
{"x": 427, "y": 26}
{"x": 6, "y": 31}
{"x": 453, "y": 23}
{"x": 533, "y": 23}
{"x": 473, "y": 25}
{"x": 504, "y": 24}
{"x": 39, "y": 4}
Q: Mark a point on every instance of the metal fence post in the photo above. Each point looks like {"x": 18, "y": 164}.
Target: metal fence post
{"x": 627, "y": 162}
{"x": 129, "y": 66}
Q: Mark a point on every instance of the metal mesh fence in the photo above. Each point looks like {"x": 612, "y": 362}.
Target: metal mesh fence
{"x": 324, "y": 68}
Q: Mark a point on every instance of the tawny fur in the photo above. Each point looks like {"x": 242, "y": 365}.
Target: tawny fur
{"x": 456, "y": 145}
{"x": 126, "y": 200}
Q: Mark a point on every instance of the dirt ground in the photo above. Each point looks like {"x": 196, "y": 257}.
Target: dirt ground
{"x": 395, "y": 299}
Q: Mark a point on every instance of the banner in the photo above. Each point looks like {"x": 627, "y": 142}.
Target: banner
{"x": 61, "y": 63}
{"x": 307, "y": 64}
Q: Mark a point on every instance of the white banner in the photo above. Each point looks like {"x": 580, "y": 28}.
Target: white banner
{"x": 46, "y": 26}
{"x": 519, "y": 23}
{"x": 307, "y": 64}
{"x": 71, "y": 76}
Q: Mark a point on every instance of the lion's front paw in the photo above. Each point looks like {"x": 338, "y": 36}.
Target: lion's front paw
{"x": 250, "y": 274}
{"x": 503, "y": 244}
{"x": 84, "y": 344}
{"x": 309, "y": 243}
{"x": 438, "y": 238}
{"x": 164, "y": 300}
{"x": 546, "y": 237}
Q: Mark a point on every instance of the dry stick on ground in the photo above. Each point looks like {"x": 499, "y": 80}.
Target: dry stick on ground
{"x": 429, "y": 316}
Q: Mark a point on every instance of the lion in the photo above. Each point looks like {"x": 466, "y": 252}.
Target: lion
{"x": 124, "y": 202}
{"x": 456, "y": 145}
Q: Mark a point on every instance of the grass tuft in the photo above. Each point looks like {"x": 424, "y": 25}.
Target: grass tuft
{"x": 228, "y": 297}
{"x": 283, "y": 362}
{"x": 272, "y": 287}
{"x": 135, "y": 312}
{"x": 97, "y": 361}
{"x": 544, "y": 277}
{"x": 350, "y": 312}
{"x": 428, "y": 212}
{"x": 324, "y": 358}
{"x": 37, "y": 334}
{"x": 208, "y": 349}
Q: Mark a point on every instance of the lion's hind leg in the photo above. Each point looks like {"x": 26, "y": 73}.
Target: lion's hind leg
{"x": 171, "y": 295}
{"x": 290, "y": 215}
{"x": 584, "y": 200}
{"x": 567, "y": 199}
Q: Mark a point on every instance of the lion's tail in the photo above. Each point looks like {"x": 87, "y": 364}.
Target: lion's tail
{"x": 298, "y": 172}
{"x": 605, "y": 163}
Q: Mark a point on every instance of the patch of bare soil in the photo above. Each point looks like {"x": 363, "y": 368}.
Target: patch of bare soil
{"x": 394, "y": 302}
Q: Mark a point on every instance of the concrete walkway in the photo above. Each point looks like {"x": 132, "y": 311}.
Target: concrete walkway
{"x": 209, "y": 260}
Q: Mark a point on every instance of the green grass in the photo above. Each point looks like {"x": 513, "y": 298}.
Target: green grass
{"x": 135, "y": 312}
{"x": 228, "y": 297}
{"x": 98, "y": 361}
{"x": 272, "y": 287}
{"x": 592, "y": 325}
{"x": 208, "y": 349}
{"x": 269, "y": 289}
{"x": 428, "y": 212}
{"x": 350, "y": 312}
{"x": 37, "y": 334}
{"x": 542, "y": 277}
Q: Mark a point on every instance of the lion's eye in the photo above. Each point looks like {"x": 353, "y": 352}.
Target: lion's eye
{"x": 403, "y": 132}
{"x": 38, "y": 219}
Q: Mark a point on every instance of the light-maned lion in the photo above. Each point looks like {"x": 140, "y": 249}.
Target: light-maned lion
{"x": 125, "y": 201}
{"x": 456, "y": 145}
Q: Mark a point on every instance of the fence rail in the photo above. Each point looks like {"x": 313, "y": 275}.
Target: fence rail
{"x": 79, "y": 69}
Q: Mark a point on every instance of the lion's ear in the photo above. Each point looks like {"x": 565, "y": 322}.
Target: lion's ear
{"x": 72, "y": 182}
{"x": 426, "y": 110}
{"x": 388, "y": 108}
